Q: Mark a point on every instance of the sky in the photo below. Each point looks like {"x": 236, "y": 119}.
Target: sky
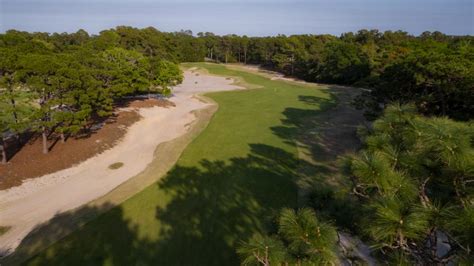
{"x": 244, "y": 17}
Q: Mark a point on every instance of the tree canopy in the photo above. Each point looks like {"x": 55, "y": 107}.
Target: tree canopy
{"x": 60, "y": 83}
{"x": 415, "y": 178}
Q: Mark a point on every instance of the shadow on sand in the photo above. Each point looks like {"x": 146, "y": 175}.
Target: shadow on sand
{"x": 214, "y": 206}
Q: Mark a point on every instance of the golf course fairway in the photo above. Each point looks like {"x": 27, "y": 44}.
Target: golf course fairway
{"x": 229, "y": 183}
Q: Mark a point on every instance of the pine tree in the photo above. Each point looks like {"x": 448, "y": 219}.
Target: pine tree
{"x": 308, "y": 241}
{"x": 415, "y": 178}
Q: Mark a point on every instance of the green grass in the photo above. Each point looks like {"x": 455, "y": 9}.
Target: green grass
{"x": 116, "y": 165}
{"x": 228, "y": 185}
{"x": 4, "y": 229}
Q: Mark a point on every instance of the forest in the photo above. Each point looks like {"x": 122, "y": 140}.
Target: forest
{"x": 412, "y": 181}
{"x": 433, "y": 70}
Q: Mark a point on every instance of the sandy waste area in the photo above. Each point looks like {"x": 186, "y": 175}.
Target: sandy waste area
{"x": 39, "y": 199}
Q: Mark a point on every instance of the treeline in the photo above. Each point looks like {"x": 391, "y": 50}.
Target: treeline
{"x": 59, "y": 84}
{"x": 433, "y": 70}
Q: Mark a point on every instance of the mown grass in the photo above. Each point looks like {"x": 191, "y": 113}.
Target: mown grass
{"x": 4, "y": 229}
{"x": 228, "y": 185}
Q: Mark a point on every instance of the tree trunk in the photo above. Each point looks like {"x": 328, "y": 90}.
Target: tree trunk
{"x": 13, "y": 103}
{"x": 45, "y": 141}
{"x": 245, "y": 56}
{"x": 267, "y": 262}
{"x": 3, "y": 150}
{"x": 401, "y": 238}
{"x": 226, "y": 57}
{"x": 434, "y": 242}
{"x": 457, "y": 189}
{"x": 292, "y": 64}
{"x": 425, "y": 201}
{"x": 15, "y": 115}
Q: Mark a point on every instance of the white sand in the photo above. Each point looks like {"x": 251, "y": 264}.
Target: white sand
{"x": 37, "y": 200}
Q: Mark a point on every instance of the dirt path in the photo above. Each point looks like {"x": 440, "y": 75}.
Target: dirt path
{"x": 37, "y": 200}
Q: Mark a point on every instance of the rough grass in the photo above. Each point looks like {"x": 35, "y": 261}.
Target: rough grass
{"x": 116, "y": 165}
{"x": 4, "y": 229}
{"x": 228, "y": 185}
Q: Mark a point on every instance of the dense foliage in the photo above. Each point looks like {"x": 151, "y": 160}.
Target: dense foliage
{"x": 412, "y": 190}
{"x": 302, "y": 240}
{"x": 433, "y": 70}
{"x": 62, "y": 83}
{"x": 415, "y": 179}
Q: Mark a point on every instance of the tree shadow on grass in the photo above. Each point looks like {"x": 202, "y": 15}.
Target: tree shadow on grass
{"x": 328, "y": 131}
{"x": 299, "y": 128}
{"x": 323, "y": 135}
{"x": 213, "y": 207}
{"x": 223, "y": 203}
{"x": 70, "y": 252}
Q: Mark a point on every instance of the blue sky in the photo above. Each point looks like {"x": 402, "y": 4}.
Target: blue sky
{"x": 253, "y": 18}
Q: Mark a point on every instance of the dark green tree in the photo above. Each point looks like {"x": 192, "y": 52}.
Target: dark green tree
{"x": 413, "y": 176}
{"x": 309, "y": 241}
